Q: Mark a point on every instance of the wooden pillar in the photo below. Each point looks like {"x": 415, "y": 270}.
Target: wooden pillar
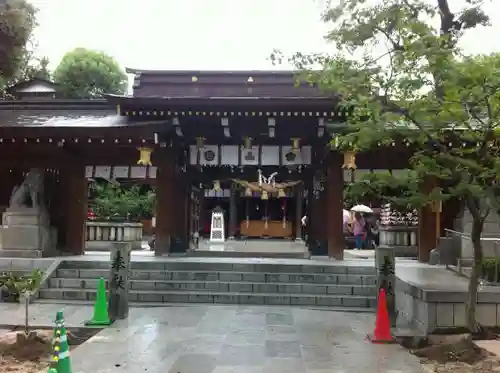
{"x": 298, "y": 211}
{"x": 428, "y": 236}
{"x": 233, "y": 213}
{"x": 334, "y": 205}
{"x": 75, "y": 186}
{"x": 165, "y": 208}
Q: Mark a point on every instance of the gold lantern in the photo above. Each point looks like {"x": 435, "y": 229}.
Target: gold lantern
{"x": 217, "y": 186}
{"x": 264, "y": 195}
{"x": 349, "y": 160}
{"x": 281, "y": 193}
{"x": 247, "y": 142}
{"x": 437, "y": 206}
{"x": 144, "y": 156}
{"x": 200, "y": 142}
{"x": 295, "y": 143}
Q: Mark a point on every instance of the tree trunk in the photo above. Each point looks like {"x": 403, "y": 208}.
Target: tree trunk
{"x": 477, "y": 228}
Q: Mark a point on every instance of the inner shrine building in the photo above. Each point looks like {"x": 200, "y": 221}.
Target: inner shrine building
{"x": 251, "y": 143}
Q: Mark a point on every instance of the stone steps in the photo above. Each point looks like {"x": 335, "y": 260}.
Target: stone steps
{"x": 294, "y": 282}
{"x": 218, "y": 286}
{"x": 225, "y": 276}
{"x": 181, "y": 296}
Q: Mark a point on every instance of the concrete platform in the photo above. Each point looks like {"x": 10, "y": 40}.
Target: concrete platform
{"x": 252, "y": 249}
{"x": 227, "y": 339}
{"x": 434, "y": 297}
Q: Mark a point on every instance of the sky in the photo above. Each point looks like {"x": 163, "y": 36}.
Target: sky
{"x": 200, "y": 34}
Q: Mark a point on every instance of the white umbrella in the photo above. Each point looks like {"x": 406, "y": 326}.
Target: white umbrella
{"x": 362, "y": 208}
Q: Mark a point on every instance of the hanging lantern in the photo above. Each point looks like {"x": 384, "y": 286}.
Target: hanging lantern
{"x": 217, "y": 186}
{"x": 248, "y": 192}
{"x": 144, "y": 156}
{"x": 200, "y": 142}
{"x": 437, "y": 206}
{"x": 295, "y": 143}
{"x": 349, "y": 160}
{"x": 281, "y": 193}
{"x": 264, "y": 195}
{"x": 247, "y": 143}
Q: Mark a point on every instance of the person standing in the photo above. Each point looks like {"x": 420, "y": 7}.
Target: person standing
{"x": 358, "y": 230}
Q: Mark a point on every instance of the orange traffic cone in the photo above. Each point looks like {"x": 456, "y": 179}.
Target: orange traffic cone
{"x": 382, "y": 332}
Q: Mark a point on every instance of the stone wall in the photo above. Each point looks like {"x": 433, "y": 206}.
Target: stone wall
{"x": 429, "y": 299}
{"x": 463, "y": 223}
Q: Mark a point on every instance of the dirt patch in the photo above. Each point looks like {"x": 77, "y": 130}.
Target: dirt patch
{"x": 464, "y": 351}
{"x": 452, "y": 355}
{"x": 29, "y": 354}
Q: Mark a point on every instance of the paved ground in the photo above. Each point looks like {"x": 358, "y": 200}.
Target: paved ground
{"x": 227, "y": 339}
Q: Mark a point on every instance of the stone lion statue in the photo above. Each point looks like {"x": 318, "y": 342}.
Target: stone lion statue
{"x": 32, "y": 187}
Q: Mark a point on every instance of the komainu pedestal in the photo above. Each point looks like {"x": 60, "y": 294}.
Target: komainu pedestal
{"x": 26, "y": 232}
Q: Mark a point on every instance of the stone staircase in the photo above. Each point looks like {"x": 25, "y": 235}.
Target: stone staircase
{"x": 263, "y": 282}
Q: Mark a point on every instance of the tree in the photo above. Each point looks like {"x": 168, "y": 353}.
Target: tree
{"x": 17, "y": 21}
{"x": 84, "y": 73}
{"x": 413, "y": 84}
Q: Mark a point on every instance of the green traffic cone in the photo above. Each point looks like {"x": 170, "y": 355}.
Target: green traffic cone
{"x": 101, "y": 316}
{"x": 61, "y": 352}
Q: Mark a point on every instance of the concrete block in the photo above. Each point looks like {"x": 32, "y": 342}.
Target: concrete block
{"x": 218, "y": 286}
{"x": 72, "y": 283}
{"x": 150, "y": 297}
{"x": 183, "y": 276}
{"x": 68, "y": 273}
{"x": 148, "y": 266}
{"x": 74, "y": 295}
{"x": 369, "y": 291}
{"x": 159, "y": 285}
{"x": 92, "y": 273}
{"x": 459, "y": 318}
{"x": 314, "y": 289}
{"x": 445, "y": 315}
{"x": 278, "y": 300}
{"x": 176, "y": 297}
{"x": 206, "y": 276}
{"x": 225, "y": 298}
{"x": 362, "y": 270}
{"x": 237, "y": 287}
{"x": 251, "y": 299}
{"x": 242, "y": 267}
{"x": 276, "y": 277}
{"x": 290, "y": 289}
{"x": 152, "y": 275}
{"x": 51, "y": 294}
{"x": 265, "y": 288}
{"x": 339, "y": 289}
{"x": 361, "y": 302}
{"x": 337, "y": 269}
{"x": 303, "y": 300}
{"x": 229, "y": 277}
{"x": 328, "y": 301}
{"x": 486, "y": 314}
{"x": 142, "y": 285}
{"x": 200, "y": 298}
{"x": 326, "y": 279}
{"x": 312, "y": 268}
{"x": 350, "y": 280}
{"x": 253, "y": 277}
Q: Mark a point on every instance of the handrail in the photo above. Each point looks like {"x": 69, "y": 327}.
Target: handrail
{"x": 456, "y": 233}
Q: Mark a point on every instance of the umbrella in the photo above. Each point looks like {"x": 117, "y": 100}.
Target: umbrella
{"x": 362, "y": 208}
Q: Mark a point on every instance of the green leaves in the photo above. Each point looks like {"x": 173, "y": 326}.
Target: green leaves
{"x": 116, "y": 202}
{"x": 84, "y": 73}
{"x": 17, "y": 21}
{"x": 404, "y": 81}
